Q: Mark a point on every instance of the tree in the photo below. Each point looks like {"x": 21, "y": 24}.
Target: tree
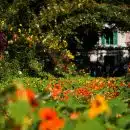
{"x": 51, "y": 22}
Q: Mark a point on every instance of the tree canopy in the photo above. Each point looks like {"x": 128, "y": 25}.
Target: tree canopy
{"x": 49, "y": 18}
{"x": 63, "y": 16}
{"x": 57, "y": 25}
{"x": 56, "y": 19}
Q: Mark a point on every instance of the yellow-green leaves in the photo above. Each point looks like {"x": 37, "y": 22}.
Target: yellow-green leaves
{"x": 19, "y": 110}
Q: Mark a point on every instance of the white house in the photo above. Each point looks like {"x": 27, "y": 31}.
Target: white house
{"x": 112, "y": 47}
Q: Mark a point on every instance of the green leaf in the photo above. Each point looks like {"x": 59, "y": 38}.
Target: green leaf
{"x": 124, "y": 121}
{"x": 49, "y": 103}
{"x": 74, "y": 103}
{"x": 19, "y": 110}
{"x": 117, "y": 106}
{"x": 70, "y": 125}
{"x": 2, "y": 121}
{"x": 89, "y": 125}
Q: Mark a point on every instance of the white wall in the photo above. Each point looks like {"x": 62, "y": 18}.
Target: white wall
{"x": 121, "y": 39}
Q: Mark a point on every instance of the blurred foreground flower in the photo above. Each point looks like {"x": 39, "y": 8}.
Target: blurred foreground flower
{"x": 98, "y": 106}
{"x": 55, "y": 124}
{"x": 47, "y": 114}
{"x": 50, "y": 120}
{"x": 27, "y": 94}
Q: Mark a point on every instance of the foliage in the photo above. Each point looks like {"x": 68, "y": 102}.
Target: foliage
{"x": 36, "y": 29}
{"x": 8, "y": 69}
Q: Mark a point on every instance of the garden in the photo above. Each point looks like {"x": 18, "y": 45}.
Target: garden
{"x": 74, "y": 102}
{"x": 41, "y": 85}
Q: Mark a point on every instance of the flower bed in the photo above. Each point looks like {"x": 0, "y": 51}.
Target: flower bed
{"x": 66, "y": 103}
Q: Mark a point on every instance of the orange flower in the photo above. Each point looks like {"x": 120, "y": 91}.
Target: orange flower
{"x": 21, "y": 94}
{"x": 122, "y": 84}
{"x": 27, "y": 94}
{"x": 57, "y": 86}
{"x": 50, "y": 120}
{"x": 49, "y": 87}
{"x": 31, "y": 97}
{"x": 56, "y": 91}
{"x": 128, "y": 84}
{"x": 98, "y": 106}
{"x": 55, "y": 124}
{"x": 83, "y": 92}
{"x": 74, "y": 115}
{"x": 66, "y": 95}
{"x": 47, "y": 114}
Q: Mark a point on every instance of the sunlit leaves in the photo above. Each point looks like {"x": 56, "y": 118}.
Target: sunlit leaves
{"x": 89, "y": 125}
{"x": 19, "y": 110}
{"x": 124, "y": 122}
{"x": 118, "y": 106}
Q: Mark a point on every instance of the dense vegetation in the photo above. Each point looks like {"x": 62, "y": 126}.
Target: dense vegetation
{"x": 40, "y": 32}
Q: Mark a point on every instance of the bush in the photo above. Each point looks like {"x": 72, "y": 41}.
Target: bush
{"x": 9, "y": 68}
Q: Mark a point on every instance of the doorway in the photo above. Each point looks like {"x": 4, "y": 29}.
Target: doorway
{"x": 109, "y": 65}
{"x": 109, "y": 60}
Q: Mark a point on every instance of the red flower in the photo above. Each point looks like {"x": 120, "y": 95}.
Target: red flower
{"x": 50, "y": 120}
{"x": 57, "y": 86}
{"x": 55, "y": 124}
{"x": 66, "y": 95}
{"x": 56, "y": 91}
{"x": 31, "y": 97}
{"x": 47, "y": 114}
{"x": 27, "y": 94}
{"x": 82, "y": 92}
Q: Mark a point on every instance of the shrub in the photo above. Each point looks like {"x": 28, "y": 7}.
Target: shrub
{"x": 9, "y": 68}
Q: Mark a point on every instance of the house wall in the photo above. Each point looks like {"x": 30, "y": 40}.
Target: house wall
{"x": 123, "y": 40}
{"x": 98, "y": 56}
{"x": 127, "y": 38}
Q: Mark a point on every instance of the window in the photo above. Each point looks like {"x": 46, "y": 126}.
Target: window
{"x": 109, "y": 37}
